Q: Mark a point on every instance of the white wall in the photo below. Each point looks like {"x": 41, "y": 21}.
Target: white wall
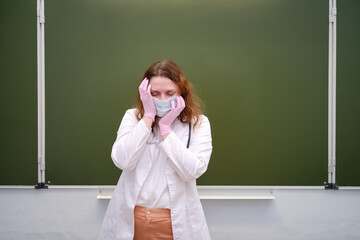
{"x": 294, "y": 214}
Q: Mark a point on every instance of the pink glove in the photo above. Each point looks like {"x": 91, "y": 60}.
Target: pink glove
{"x": 166, "y": 121}
{"x": 147, "y": 100}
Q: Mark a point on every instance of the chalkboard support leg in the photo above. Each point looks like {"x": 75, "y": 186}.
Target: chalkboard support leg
{"x": 41, "y": 186}
{"x": 331, "y": 186}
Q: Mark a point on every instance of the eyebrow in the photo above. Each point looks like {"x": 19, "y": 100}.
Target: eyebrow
{"x": 171, "y": 90}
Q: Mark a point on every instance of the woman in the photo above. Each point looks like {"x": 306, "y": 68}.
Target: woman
{"x": 162, "y": 146}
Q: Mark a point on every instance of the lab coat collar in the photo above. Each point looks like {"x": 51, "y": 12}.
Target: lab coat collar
{"x": 179, "y": 128}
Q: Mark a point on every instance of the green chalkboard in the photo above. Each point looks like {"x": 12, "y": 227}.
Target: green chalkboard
{"x": 259, "y": 66}
{"x": 18, "y": 93}
{"x": 348, "y": 94}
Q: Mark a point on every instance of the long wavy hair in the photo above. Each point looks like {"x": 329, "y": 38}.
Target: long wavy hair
{"x": 169, "y": 69}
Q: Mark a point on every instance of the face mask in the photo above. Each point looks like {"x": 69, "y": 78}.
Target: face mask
{"x": 163, "y": 107}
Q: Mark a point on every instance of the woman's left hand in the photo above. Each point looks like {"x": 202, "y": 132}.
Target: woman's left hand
{"x": 166, "y": 121}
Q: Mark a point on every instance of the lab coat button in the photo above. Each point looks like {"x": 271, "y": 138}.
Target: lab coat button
{"x": 148, "y": 212}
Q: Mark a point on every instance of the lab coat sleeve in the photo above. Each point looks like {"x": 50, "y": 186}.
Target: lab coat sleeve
{"x": 190, "y": 163}
{"x": 130, "y": 142}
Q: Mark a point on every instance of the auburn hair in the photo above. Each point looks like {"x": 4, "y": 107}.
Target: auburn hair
{"x": 169, "y": 69}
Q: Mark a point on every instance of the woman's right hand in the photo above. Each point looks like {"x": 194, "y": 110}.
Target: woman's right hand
{"x": 147, "y": 100}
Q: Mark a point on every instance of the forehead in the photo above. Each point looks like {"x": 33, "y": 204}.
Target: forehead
{"x": 160, "y": 83}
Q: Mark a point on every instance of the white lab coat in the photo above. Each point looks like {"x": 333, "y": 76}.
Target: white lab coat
{"x": 131, "y": 153}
